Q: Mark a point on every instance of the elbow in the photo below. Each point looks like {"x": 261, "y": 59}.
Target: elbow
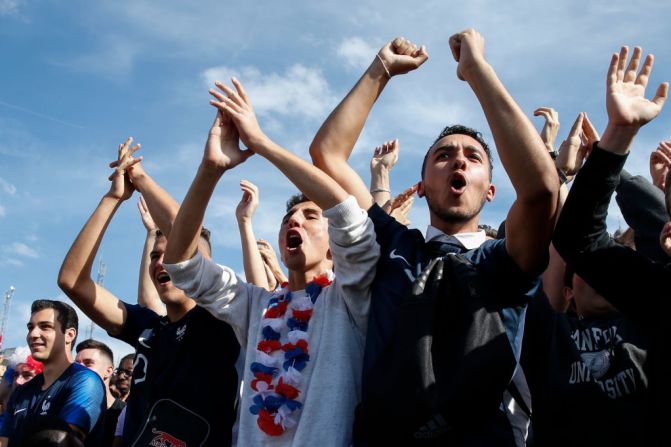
{"x": 317, "y": 155}
{"x": 69, "y": 282}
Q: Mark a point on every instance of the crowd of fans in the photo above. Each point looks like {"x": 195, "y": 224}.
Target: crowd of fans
{"x": 547, "y": 331}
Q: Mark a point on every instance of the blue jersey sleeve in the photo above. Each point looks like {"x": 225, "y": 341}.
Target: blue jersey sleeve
{"x": 86, "y": 400}
{"x": 138, "y": 319}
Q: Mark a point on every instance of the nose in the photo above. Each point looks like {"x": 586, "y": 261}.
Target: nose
{"x": 34, "y": 332}
{"x": 459, "y": 160}
{"x": 294, "y": 221}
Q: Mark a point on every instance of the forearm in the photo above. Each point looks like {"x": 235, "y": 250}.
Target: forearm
{"x": 337, "y": 136}
{"x": 380, "y": 187}
{"x": 310, "y": 180}
{"x": 183, "y": 241}
{"x": 78, "y": 263}
{"x": 582, "y": 223}
{"x": 162, "y": 206}
{"x": 147, "y": 295}
{"x": 520, "y": 148}
{"x": 252, "y": 262}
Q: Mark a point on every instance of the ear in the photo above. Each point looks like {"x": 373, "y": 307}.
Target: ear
{"x": 420, "y": 188}
{"x": 108, "y": 373}
{"x": 70, "y": 335}
{"x": 491, "y": 192}
{"x": 329, "y": 256}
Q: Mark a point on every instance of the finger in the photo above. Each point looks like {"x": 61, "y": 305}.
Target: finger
{"x": 246, "y": 154}
{"x": 624, "y": 52}
{"x": 455, "y": 46}
{"x": 612, "y": 70}
{"x": 661, "y": 94}
{"x": 220, "y": 96}
{"x": 632, "y": 68}
{"x": 134, "y": 149}
{"x": 142, "y": 204}
{"x": 377, "y": 151}
{"x": 664, "y": 158}
{"x": 241, "y": 90}
{"x": 421, "y": 55}
{"x": 577, "y": 127}
{"x": 644, "y": 75}
{"x": 588, "y": 129}
{"x": 229, "y": 92}
{"x": 114, "y": 164}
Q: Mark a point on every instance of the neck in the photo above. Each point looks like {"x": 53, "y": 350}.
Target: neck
{"x": 110, "y": 398}
{"x": 453, "y": 227}
{"x": 53, "y": 370}
{"x": 176, "y": 311}
{"x": 298, "y": 279}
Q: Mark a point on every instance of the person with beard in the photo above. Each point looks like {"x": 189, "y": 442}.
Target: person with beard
{"x": 445, "y": 325}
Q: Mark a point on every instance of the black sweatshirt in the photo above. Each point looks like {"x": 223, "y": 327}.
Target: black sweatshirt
{"x": 637, "y": 286}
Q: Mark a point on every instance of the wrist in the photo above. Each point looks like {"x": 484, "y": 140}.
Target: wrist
{"x": 617, "y": 139}
{"x": 379, "y": 70}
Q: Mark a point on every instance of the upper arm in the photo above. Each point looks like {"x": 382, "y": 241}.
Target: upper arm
{"x": 529, "y": 226}
{"x": 101, "y": 305}
{"x": 3, "y": 441}
{"x": 348, "y": 179}
{"x": 84, "y": 404}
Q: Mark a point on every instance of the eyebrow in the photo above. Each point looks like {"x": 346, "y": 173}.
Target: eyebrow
{"x": 451, "y": 147}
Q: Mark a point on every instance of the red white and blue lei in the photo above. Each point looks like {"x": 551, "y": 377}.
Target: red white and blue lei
{"x": 277, "y": 378}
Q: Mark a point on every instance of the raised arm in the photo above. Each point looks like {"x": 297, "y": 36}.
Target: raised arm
{"x": 147, "y": 295}
{"x": 271, "y": 262}
{"x": 311, "y": 181}
{"x": 384, "y": 159}
{"x": 581, "y": 236}
{"x": 531, "y": 218}
{"x": 222, "y": 152}
{"x": 255, "y": 271}
{"x": 74, "y": 278}
{"x": 335, "y": 140}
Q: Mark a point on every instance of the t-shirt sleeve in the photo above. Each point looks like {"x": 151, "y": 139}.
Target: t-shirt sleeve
{"x": 138, "y": 318}
{"x": 85, "y": 401}
{"x": 355, "y": 254}
{"x": 514, "y": 286}
{"x": 217, "y": 289}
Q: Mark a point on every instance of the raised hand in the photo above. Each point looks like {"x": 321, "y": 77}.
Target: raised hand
{"x": 468, "y": 49}
{"x": 660, "y": 161}
{"x": 589, "y": 133}
{"x": 237, "y": 105}
{"x": 573, "y": 149}
{"x": 625, "y": 94}
{"x": 551, "y": 126}
{"x": 248, "y": 203}
{"x": 147, "y": 220}
{"x": 122, "y": 188}
{"x": 385, "y": 156}
{"x": 270, "y": 261}
{"x": 401, "y": 56}
{"x": 222, "y": 150}
{"x": 401, "y": 205}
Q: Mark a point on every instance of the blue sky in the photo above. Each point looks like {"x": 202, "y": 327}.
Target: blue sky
{"x": 78, "y": 77}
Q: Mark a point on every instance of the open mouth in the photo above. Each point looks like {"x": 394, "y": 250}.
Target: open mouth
{"x": 457, "y": 183}
{"x": 163, "y": 278}
{"x": 294, "y": 240}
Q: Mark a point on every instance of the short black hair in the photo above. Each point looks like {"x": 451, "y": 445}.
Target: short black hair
{"x": 295, "y": 200}
{"x": 204, "y": 233}
{"x": 126, "y": 357}
{"x": 65, "y": 314}
{"x": 95, "y": 344}
{"x": 462, "y": 130}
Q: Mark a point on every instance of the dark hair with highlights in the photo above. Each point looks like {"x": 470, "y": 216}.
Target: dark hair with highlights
{"x": 295, "y": 200}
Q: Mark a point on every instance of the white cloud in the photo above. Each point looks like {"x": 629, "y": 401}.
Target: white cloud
{"x": 300, "y": 91}
{"x": 9, "y": 7}
{"x": 20, "y": 249}
{"x": 356, "y": 52}
{"x": 7, "y": 187}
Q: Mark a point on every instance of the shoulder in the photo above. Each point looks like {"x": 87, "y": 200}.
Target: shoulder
{"x": 81, "y": 376}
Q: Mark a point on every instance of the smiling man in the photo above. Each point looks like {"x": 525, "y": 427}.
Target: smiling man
{"x": 66, "y": 396}
{"x": 166, "y": 400}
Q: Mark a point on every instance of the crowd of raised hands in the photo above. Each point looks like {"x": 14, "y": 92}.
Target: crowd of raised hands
{"x": 358, "y": 329}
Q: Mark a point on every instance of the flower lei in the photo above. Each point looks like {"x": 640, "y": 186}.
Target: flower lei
{"x": 276, "y": 379}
